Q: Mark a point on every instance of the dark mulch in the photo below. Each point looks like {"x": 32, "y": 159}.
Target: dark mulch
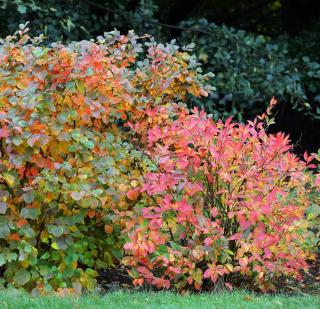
{"x": 117, "y": 278}
{"x": 310, "y": 283}
{"x": 111, "y": 279}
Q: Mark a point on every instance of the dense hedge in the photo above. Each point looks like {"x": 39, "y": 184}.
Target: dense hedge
{"x": 101, "y": 163}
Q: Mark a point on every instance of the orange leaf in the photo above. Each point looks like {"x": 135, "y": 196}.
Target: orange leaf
{"x": 14, "y": 236}
{"x": 138, "y": 282}
{"x": 91, "y": 213}
{"x": 108, "y": 229}
{"x": 21, "y": 223}
{"x": 132, "y": 195}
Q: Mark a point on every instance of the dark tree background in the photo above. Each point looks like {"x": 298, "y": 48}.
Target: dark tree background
{"x": 79, "y": 17}
{"x": 256, "y": 48}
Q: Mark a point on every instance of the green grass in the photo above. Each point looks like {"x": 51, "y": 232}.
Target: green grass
{"x": 16, "y": 300}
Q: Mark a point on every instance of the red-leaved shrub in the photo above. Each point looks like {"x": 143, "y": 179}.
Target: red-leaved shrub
{"x": 224, "y": 199}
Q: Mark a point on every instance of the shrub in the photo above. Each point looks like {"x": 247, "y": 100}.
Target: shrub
{"x": 225, "y": 200}
{"x": 98, "y": 154}
{"x": 66, "y": 160}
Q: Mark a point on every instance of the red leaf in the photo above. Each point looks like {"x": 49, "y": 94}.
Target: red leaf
{"x": 4, "y": 132}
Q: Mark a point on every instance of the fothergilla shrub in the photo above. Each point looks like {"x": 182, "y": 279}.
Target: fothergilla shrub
{"x": 67, "y": 164}
{"x": 226, "y": 200}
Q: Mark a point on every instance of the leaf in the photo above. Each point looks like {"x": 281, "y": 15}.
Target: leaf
{"x": 21, "y": 223}
{"x": 32, "y": 140}
{"x": 80, "y": 86}
{"x": 28, "y": 197}
{"x": 108, "y": 229}
{"x": 30, "y": 213}
{"x": 55, "y": 230}
{"x": 4, "y": 231}
{"x": 132, "y": 195}
{"x": 117, "y": 253}
{"x": 21, "y": 277}
{"x": 3, "y": 208}
{"x": 97, "y": 192}
{"x": 45, "y": 256}
{"x": 88, "y": 144}
{"x": 2, "y": 259}
{"x": 91, "y": 213}
{"x": 55, "y": 246}
{"x": 22, "y": 9}
{"x": 4, "y": 133}
{"x": 77, "y": 196}
{"x": 8, "y": 178}
{"x": 14, "y": 236}
{"x": 59, "y": 244}
{"x": 243, "y": 262}
{"x": 246, "y": 233}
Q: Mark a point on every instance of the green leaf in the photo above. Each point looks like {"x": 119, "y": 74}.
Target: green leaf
{"x": 55, "y": 255}
{"x": 27, "y": 231}
{"x": 22, "y": 123}
{"x": 246, "y": 233}
{"x": 2, "y": 259}
{"x": 28, "y": 197}
{"x": 80, "y": 86}
{"x": 4, "y": 231}
{"x": 3, "y": 208}
{"x": 88, "y": 144}
{"x": 39, "y": 52}
{"x": 45, "y": 256}
{"x": 21, "y": 277}
{"x": 117, "y": 253}
{"x": 28, "y": 248}
{"x": 97, "y": 192}
{"x": 16, "y": 141}
{"x": 30, "y": 213}
{"x": 55, "y": 230}
{"x": 22, "y": 9}
{"x": 91, "y": 272}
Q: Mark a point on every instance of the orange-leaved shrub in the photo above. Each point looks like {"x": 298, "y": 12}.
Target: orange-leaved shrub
{"x": 226, "y": 201}
{"x": 68, "y": 173}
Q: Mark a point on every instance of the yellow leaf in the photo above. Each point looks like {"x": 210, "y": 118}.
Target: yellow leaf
{"x": 44, "y": 237}
{"x": 73, "y": 228}
{"x": 229, "y": 267}
{"x": 80, "y": 86}
{"x": 25, "y": 264}
{"x": 8, "y": 178}
{"x": 54, "y": 245}
{"x": 134, "y": 183}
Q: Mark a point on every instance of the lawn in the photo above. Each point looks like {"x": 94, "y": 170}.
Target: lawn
{"x": 127, "y": 300}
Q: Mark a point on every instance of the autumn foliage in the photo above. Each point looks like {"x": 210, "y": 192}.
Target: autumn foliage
{"x": 101, "y": 163}
{"x": 226, "y": 199}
